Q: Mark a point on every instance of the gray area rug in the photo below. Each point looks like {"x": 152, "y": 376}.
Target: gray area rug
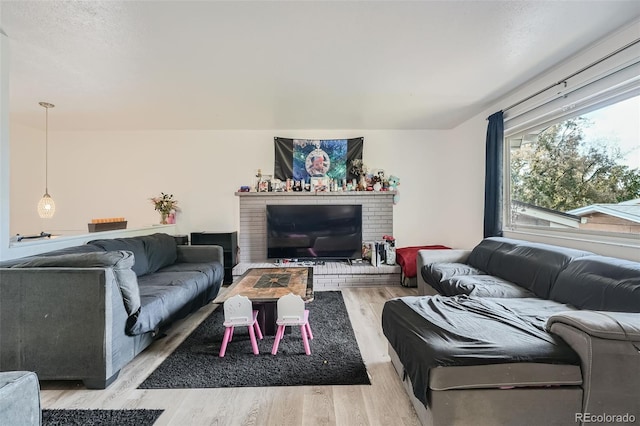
{"x": 335, "y": 358}
{"x": 100, "y": 417}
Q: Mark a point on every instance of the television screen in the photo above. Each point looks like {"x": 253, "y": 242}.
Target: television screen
{"x": 319, "y": 231}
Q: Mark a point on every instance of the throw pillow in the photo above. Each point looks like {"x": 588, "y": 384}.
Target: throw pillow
{"x": 133, "y": 244}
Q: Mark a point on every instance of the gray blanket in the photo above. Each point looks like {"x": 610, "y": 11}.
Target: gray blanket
{"x": 431, "y": 331}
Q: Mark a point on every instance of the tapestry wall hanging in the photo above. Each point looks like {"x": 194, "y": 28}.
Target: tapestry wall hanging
{"x": 302, "y": 159}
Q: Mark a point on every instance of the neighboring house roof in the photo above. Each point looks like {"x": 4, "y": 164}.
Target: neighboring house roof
{"x": 553, "y": 216}
{"x": 546, "y": 210}
{"x": 627, "y": 210}
{"x": 630, "y": 202}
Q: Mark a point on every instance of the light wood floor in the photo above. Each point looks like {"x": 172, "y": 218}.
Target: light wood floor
{"x": 384, "y": 402}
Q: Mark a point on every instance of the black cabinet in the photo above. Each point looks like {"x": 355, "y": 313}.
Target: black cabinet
{"x": 181, "y": 240}
{"x": 229, "y": 243}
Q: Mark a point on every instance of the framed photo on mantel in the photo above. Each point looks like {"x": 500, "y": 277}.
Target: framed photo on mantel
{"x": 318, "y": 184}
{"x": 264, "y": 183}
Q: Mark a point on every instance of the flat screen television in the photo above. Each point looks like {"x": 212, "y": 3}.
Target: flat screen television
{"x": 318, "y": 231}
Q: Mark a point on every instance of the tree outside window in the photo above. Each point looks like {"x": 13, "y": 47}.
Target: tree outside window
{"x": 579, "y": 174}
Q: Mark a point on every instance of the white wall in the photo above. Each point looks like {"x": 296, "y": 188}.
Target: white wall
{"x": 112, "y": 174}
{"x": 4, "y": 145}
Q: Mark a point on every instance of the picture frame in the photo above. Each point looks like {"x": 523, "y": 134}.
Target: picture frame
{"x": 264, "y": 184}
{"x": 367, "y": 250}
{"x": 277, "y": 185}
{"x": 319, "y": 184}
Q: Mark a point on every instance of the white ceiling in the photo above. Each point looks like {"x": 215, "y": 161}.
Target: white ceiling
{"x": 130, "y": 65}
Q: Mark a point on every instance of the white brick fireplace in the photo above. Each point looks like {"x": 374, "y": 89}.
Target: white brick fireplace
{"x": 377, "y": 220}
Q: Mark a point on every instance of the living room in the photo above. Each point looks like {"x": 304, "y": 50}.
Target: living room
{"x": 203, "y": 167}
{"x": 107, "y": 156}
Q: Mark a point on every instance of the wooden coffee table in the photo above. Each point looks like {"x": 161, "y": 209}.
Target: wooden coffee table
{"x": 264, "y": 286}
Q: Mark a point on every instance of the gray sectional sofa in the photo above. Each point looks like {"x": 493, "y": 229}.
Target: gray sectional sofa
{"x": 519, "y": 333}
{"x": 84, "y": 312}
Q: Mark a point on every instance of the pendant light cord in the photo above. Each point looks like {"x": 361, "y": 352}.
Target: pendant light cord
{"x": 46, "y": 106}
{"x": 46, "y": 151}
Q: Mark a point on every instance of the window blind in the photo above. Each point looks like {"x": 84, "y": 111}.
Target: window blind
{"x": 608, "y": 81}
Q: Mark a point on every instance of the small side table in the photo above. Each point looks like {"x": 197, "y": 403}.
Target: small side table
{"x": 229, "y": 243}
{"x": 181, "y": 240}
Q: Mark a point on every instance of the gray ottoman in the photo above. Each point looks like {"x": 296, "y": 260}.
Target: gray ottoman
{"x": 19, "y": 399}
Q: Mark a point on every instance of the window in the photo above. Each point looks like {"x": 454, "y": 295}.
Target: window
{"x": 572, "y": 152}
{"x": 578, "y": 171}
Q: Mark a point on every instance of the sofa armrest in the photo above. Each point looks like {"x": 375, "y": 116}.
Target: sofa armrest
{"x": 63, "y": 323}
{"x": 604, "y": 325}
{"x": 200, "y": 254}
{"x": 433, "y": 256}
{"x": 426, "y": 257}
{"x": 609, "y": 350}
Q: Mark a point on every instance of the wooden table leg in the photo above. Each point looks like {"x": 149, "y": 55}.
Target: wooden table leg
{"x": 267, "y": 316}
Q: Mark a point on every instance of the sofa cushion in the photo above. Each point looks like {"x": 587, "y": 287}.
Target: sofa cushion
{"x": 482, "y": 286}
{"x": 434, "y": 273}
{"x": 161, "y": 251}
{"x": 452, "y": 279}
{"x": 481, "y": 254}
{"x": 168, "y": 296}
{"x": 120, "y": 261}
{"x": 213, "y": 270}
{"x": 507, "y": 375}
{"x": 534, "y": 266}
{"x": 134, "y": 244}
{"x": 599, "y": 283}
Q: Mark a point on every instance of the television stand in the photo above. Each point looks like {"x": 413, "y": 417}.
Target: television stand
{"x": 319, "y": 262}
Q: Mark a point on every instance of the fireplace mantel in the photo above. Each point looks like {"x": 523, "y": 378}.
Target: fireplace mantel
{"x": 318, "y": 194}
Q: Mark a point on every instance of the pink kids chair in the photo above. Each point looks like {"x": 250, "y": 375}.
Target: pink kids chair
{"x": 291, "y": 311}
{"x": 239, "y": 312}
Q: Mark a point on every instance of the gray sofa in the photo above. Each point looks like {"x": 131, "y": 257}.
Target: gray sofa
{"x": 519, "y": 333}
{"x": 82, "y": 313}
{"x": 19, "y": 399}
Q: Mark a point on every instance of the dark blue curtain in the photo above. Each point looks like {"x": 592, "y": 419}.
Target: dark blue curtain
{"x": 493, "y": 176}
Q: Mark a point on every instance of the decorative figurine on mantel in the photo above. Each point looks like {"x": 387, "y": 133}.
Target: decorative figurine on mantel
{"x": 394, "y": 181}
{"x": 256, "y": 186}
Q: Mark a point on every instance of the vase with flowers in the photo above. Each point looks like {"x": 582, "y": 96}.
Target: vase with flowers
{"x": 165, "y": 205}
